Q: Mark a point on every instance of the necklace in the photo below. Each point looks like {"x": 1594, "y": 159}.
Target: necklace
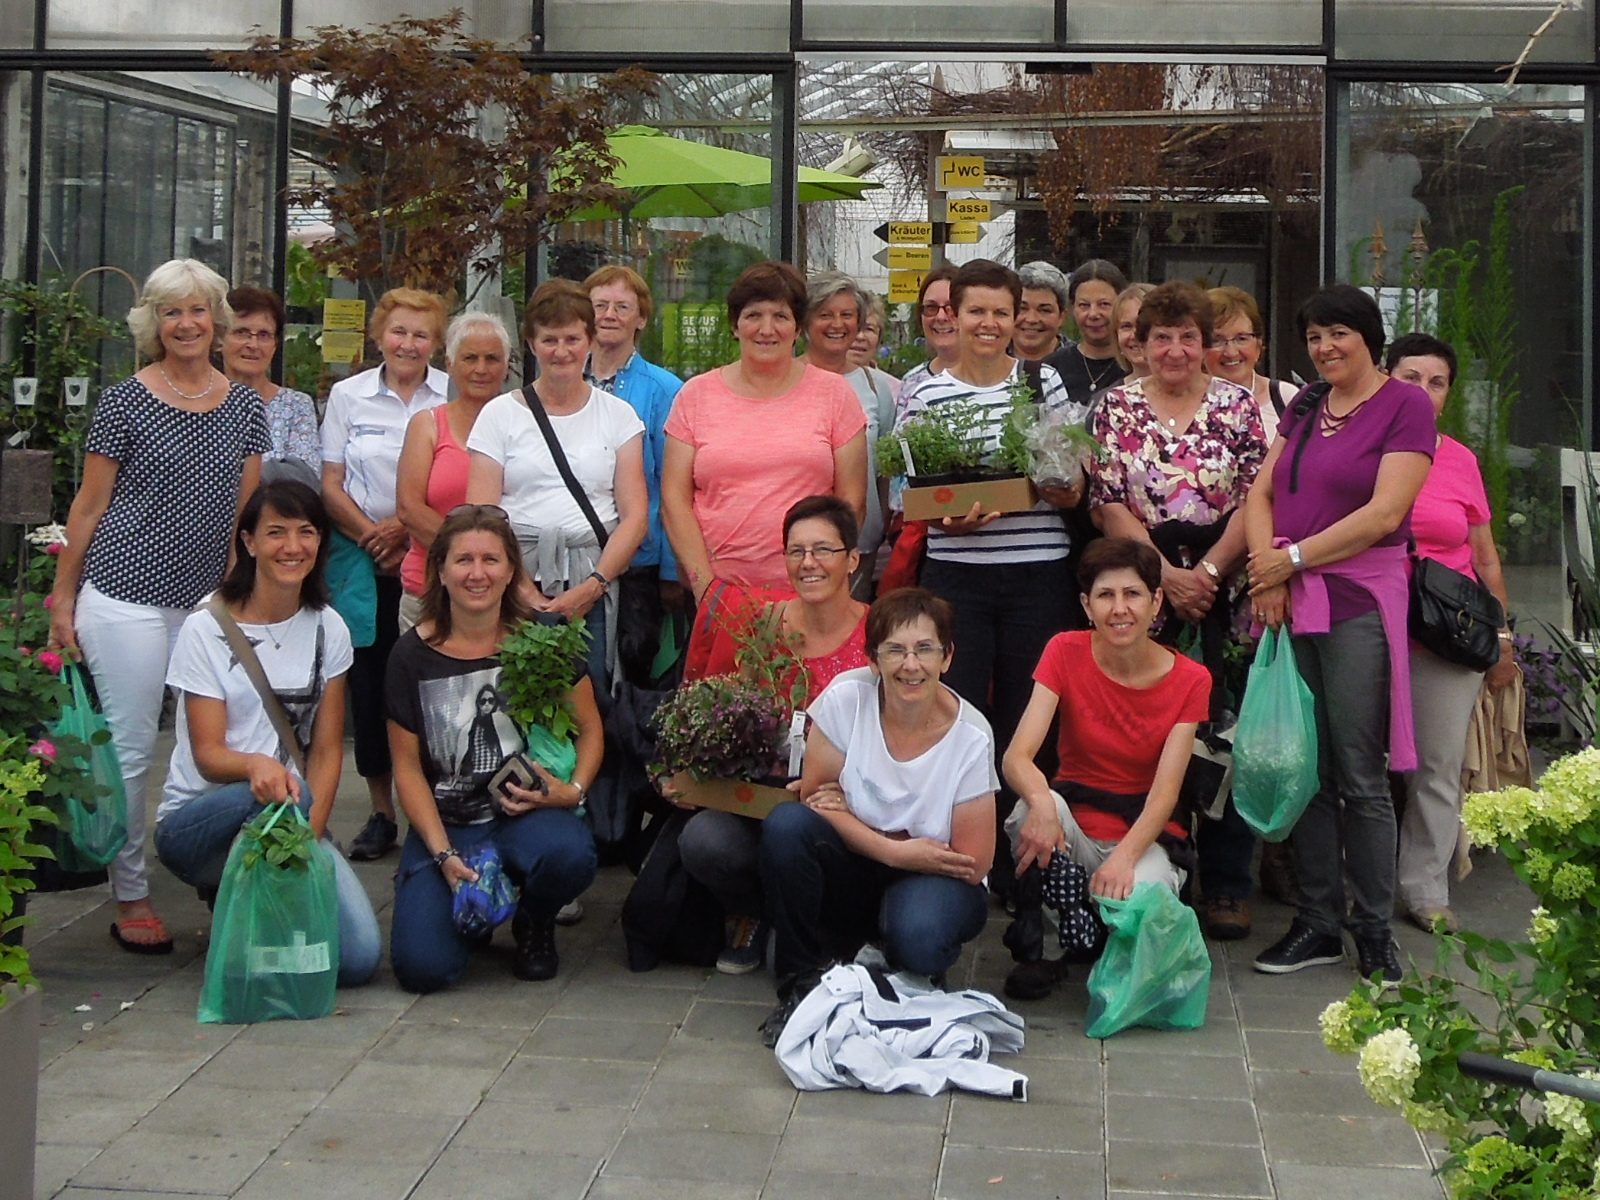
{"x": 210, "y": 387}
{"x": 1095, "y": 380}
{"x": 1332, "y": 424}
{"x": 266, "y": 627}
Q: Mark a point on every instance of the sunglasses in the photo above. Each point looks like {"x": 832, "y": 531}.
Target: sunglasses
{"x": 494, "y": 510}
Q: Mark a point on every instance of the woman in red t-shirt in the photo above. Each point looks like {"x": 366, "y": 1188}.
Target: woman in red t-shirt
{"x": 1128, "y": 711}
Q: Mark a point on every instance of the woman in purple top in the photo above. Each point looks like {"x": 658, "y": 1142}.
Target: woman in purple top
{"x": 1327, "y": 523}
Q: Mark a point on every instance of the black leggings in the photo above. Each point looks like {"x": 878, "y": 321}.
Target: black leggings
{"x": 369, "y": 715}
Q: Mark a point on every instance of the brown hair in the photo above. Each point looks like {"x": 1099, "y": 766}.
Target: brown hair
{"x": 1229, "y": 303}
{"x": 424, "y": 302}
{"x": 556, "y": 303}
{"x": 1175, "y": 304}
{"x": 470, "y": 518}
{"x": 770, "y": 280}
{"x": 824, "y": 508}
{"x": 1115, "y": 554}
{"x": 250, "y": 299}
{"x": 943, "y": 271}
{"x": 985, "y": 272}
{"x": 903, "y": 606}
{"x": 618, "y": 273}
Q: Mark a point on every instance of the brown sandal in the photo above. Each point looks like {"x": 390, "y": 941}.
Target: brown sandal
{"x": 163, "y": 945}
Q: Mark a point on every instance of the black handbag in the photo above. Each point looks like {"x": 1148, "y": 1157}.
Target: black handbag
{"x": 1454, "y": 615}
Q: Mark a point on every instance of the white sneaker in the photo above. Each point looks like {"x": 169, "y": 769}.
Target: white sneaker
{"x": 570, "y": 914}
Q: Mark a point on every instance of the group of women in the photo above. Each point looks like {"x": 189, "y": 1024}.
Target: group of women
{"x": 452, "y": 509}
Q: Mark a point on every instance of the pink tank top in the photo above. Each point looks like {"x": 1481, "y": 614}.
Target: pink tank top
{"x": 447, "y": 487}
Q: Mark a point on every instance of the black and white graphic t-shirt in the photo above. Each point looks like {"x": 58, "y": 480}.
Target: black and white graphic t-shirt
{"x": 163, "y": 540}
{"x": 455, "y": 708}
{"x": 299, "y": 656}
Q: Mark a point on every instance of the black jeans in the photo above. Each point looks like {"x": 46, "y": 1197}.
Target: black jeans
{"x": 368, "y": 670}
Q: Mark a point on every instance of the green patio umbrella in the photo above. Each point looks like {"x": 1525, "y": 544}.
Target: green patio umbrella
{"x": 663, "y": 176}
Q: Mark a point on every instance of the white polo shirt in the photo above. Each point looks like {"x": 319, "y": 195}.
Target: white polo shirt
{"x": 365, "y": 427}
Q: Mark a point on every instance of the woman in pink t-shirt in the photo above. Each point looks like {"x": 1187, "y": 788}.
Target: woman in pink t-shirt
{"x": 748, "y": 440}
{"x": 1450, "y": 522}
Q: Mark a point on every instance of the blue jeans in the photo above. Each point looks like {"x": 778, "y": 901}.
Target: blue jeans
{"x": 548, "y": 853}
{"x": 193, "y": 844}
{"x": 825, "y": 900}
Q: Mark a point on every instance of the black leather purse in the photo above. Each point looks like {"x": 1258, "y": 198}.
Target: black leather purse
{"x": 1454, "y": 615}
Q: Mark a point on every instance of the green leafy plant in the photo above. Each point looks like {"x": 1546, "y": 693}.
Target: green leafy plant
{"x": 944, "y": 439}
{"x": 537, "y": 665}
{"x": 282, "y": 840}
{"x": 21, "y": 814}
{"x": 1536, "y": 1001}
{"x": 770, "y": 658}
{"x": 1043, "y": 445}
{"x": 721, "y": 727}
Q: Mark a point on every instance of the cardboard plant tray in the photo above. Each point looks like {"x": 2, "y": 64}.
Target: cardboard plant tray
{"x": 929, "y": 498}
{"x": 731, "y": 795}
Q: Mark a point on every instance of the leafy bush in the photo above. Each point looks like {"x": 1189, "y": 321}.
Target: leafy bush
{"x": 21, "y": 780}
{"x": 538, "y": 665}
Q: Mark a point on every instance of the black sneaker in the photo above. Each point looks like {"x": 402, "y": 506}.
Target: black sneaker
{"x": 1376, "y": 954}
{"x": 1301, "y": 947}
{"x": 377, "y": 838}
{"x": 535, "y": 957}
{"x": 744, "y": 948}
{"x": 1034, "y": 980}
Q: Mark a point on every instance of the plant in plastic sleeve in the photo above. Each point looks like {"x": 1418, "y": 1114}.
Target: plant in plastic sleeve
{"x": 1047, "y": 445}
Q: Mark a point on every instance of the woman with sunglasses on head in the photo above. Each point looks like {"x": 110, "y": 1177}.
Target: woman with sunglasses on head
{"x": 449, "y": 735}
{"x": 228, "y": 759}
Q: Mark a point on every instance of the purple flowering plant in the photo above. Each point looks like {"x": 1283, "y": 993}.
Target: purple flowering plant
{"x": 722, "y": 727}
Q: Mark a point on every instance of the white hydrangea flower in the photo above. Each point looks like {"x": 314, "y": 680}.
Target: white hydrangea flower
{"x": 1567, "y": 1113}
{"x": 1389, "y": 1066}
{"x": 1541, "y": 926}
{"x": 1338, "y": 1028}
{"x": 45, "y": 535}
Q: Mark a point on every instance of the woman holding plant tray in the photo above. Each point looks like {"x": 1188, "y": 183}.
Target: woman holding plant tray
{"x": 1184, "y": 448}
{"x": 822, "y": 631}
{"x": 896, "y": 826}
{"x": 472, "y": 770}
{"x": 228, "y": 760}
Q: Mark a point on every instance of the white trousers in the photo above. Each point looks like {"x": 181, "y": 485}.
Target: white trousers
{"x": 126, "y": 648}
{"x": 1443, "y": 696}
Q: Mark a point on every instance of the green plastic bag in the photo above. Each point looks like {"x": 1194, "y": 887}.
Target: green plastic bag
{"x": 559, "y": 756}
{"x": 95, "y": 828}
{"x": 275, "y": 938}
{"x": 1275, "y": 749}
{"x": 1155, "y": 970}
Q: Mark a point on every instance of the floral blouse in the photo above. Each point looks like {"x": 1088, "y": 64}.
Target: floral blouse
{"x": 292, "y": 418}
{"x": 1196, "y": 474}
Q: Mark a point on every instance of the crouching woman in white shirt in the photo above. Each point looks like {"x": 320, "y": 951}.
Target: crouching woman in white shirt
{"x": 897, "y": 829}
{"x": 228, "y": 760}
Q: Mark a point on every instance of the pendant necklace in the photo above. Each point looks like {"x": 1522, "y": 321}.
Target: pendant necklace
{"x": 186, "y": 395}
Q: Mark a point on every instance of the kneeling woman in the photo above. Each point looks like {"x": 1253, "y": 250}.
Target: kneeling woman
{"x": 1128, "y": 709}
{"x": 228, "y": 760}
{"x": 449, "y": 735}
{"x": 896, "y": 831}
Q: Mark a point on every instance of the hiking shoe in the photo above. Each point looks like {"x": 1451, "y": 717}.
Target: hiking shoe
{"x": 1301, "y": 947}
{"x": 746, "y": 947}
{"x": 377, "y": 838}
{"x": 1227, "y": 919}
{"x": 1034, "y": 980}
{"x": 570, "y": 914}
{"x": 535, "y": 956}
{"x": 1377, "y": 955}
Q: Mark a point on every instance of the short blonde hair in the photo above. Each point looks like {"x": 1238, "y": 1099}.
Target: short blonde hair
{"x": 1230, "y": 303}
{"x": 404, "y": 297}
{"x": 175, "y": 280}
{"x": 1133, "y": 292}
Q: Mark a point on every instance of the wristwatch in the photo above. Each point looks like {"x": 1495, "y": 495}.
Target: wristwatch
{"x": 1210, "y": 568}
{"x": 447, "y": 852}
{"x": 600, "y": 579}
{"x": 1295, "y": 560}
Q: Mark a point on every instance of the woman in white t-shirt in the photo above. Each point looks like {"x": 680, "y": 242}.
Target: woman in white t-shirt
{"x": 574, "y": 568}
{"x": 897, "y": 829}
{"x": 228, "y": 760}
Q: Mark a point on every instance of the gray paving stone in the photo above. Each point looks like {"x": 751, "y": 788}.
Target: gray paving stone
{"x": 286, "y": 1178}
{"x": 1200, "y": 1169}
{"x": 55, "y": 1164}
{"x": 1332, "y": 1141}
{"x": 1278, "y": 1050}
{"x": 609, "y": 1002}
{"x": 77, "y": 1193}
{"x": 677, "y": 1154}
{"x": 620, "y": 1187}
{"x": 1001, "y": 1124}
{"x": 725, "y": 1021}
{"x": 1318, "y": 1092}
{"x": 344, "y": 1030}
{"x": 1297, "y": 1010}
{"x": 279, "y": 1068}
{"x": 818, "y": 1185}
{"x": 557, "y": 1082}
{"x": 155, "y": 1161}
{"x": 204, "y": 1110}
{"x": 973, "y": 1173}
{"x": 88, "y": 1120}
{"x": 506, "y": 1175}
{"x": 425, "y": 1090}
{"x": 473, "y": 1004}
{"x": 737, "y": 1064}
{"x": 153, "y": 1031}
{"x": 613, "y": 1041}
{"x": 1060, "y": 1080}
{"x": 130, "y": 1074}
{"x": 538, "y": 1131}
{"x": 393, "y": 1139}
{"x": 417, "y": 1043}
{"x": 852, "y": 1104}
{"x": 1219, "y": 1037}
{"x": 723, "y": 1107}
{"x": 1194, "y": 1075}
{"x": 1296, "y": 1182}
{"x": 1182, "y": 1121}
{"x": 814, "y": 1145}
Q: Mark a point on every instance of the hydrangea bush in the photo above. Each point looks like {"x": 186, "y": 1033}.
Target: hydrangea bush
{"x": 1536, "y": 1001}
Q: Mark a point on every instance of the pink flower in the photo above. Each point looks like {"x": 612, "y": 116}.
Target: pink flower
{"x": 50, "y": 601}
{"x": 51, "y": 661}
{"x": 25, "y": 651}
{"x": 53, "y": 548}
{"x": 45, "y": 749}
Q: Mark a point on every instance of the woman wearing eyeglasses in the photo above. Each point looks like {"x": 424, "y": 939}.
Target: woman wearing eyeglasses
{"x": 939, "y": 333}
{"x": 248, "y": 349}
{"x": 1238, "y": 340}
{"x": 826, "y": 631}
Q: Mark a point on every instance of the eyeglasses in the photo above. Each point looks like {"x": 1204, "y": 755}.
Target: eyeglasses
{"x": 924, "y": 652}
{"x": 264, "y": 336}
{"x": 621, "y": 307}
{"x": 1189, "y": 339}
{"x": 930, "y": 309}
{"x": 1241, "y": 342}
{"x": 823, "y": 554}
{"x": 494, "y": 510}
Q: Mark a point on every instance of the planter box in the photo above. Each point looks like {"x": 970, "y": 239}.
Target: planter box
{"x": 19, "y": 1090}
{"x": 928, "y": 499}
{"x": 731, "y": 795}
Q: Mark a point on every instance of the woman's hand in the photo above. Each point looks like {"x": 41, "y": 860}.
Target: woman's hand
{"x": 1040, "y": 837}
{"x": 556, "y": 793}
{"x": 456, "y": 872}
{"x": 385, "y": 538}
{"x": 270, "y": 781}
{"x": 664, "y": 787}
{"x": 63, "y": 629}
{"x": 975, "y": 520}
{"x": 1063, "y": 497}
{"x": 577, "y": 600}
{"x": 828, "y": 797}
{"x": 1189, "y": 590}
{"x": 1269, "y": 568}
{"x": 928, "y": 857}
{"x": 1271, "y": 605}
{"x": 1499, "y": 676}
{"x": 1114, "y": 879}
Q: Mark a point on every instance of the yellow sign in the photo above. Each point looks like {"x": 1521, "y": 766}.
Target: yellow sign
{"x": 964, "y": 233}
{"x": 957, "y": 171}
{"x": 910, "y": 233}
{"x": 343, "y": 345}
{"x": 344, "y": 314}
{"x": 967, "y": 209}
{"x": 904, "y": 286}
{"x": 910, "y": 258}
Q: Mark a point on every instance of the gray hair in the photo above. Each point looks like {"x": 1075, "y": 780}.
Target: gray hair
{"x": 470, "y": 324}
{"x": 1097, "y": 268}
{"x": 1043, "y": 275}
{"x": 172, "y": 281}
{"x": 825, "y": 285}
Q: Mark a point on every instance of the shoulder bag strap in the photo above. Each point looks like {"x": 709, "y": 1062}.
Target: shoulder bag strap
{"x": 531, "y": 399}
{"x": 246, "y": 654}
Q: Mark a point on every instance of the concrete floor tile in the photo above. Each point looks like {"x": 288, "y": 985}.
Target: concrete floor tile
{"x": 728, "y": 1108}
{"x": 1297, "y": 1182}
{"x": 536, "y": 1131}
{"x": 1164, "y": 1166}
{"x": 1059, "y": 1080}
{"x": 506, "y": 1175}
{"x": 853, "y": 1104}
{"x": 608, "y": 968}
{"x": 620, "y": 1187}
{"x": 693, "y": 1060}
{"x": 204, "y": 1110}
{"x": 284, "y": 1178}
{"x": 1054, "y": 1037}
{"x": 1000, "y": 1124}
{"x": 559, "y": 1082}
{"x": 520, "y": 1007}
{"x": 344, "y": 1030}
{"x": 54, "y": 1165}
{"x": 88, "y": 1120}
{"x": 1278, "y": 1050}
{"x": 1338, "y": 1093}
{"x": 154, "y": 1031}
{"x": 1378, "y": 1141}
{"x": 183, "y": 1162}
{"x": 726, "y": 1022}
{"x": 817, "y": 1185}
{"x": 606, "y": 1002}
{"x": 416, "y": 1043}
{"x": 613, "y": 1041}
{"x": 756, "y": 987}
{"x": 1182, "y": 1121}
{"x": 1219, "y": 1037}
{"x": 278, "y": 1068}
{"x": 743, "y": 1158}
{"x": 77, "y": 1193}
{"x": 1297, "y": 1010}
{"x": 813, "y": 1145}
{"x": 129, "y": 1074}
{"x": 391, "y": 1139}
{"x": 423, "y": 1090}
{"x": 974, "y": 1173}
{"x": 1199, "y": 1076}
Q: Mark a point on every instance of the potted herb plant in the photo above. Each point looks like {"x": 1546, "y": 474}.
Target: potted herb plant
{"x": 538, "y": 664}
